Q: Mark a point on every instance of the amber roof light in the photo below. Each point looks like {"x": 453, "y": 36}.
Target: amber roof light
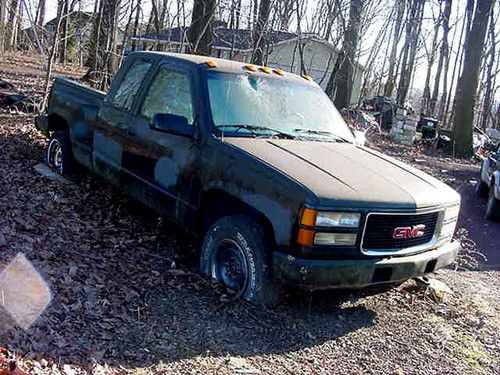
{"x": 212, "y": 64}
{"x": 250, "y": 67}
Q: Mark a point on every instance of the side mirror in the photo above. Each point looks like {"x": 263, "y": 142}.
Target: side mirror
{"x": 173, "y": 124}
{"x": 359, "y": 137}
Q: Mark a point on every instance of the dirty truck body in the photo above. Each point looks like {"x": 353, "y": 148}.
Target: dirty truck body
{"x": 241, "y": 155}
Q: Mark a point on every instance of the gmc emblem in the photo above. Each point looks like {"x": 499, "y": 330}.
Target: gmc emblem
{"x": 401, "y": 233}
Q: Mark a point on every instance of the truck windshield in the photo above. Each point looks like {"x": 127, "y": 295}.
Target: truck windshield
{"x": 244, "y": 104}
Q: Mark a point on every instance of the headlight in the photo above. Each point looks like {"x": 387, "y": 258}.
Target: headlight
{"x": 330, "y": 219}
{"x": 338, "y": 239}
{"x": 450, "y": 217}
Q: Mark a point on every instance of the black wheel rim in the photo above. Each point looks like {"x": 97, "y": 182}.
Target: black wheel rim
{"x": 230, "y": 265}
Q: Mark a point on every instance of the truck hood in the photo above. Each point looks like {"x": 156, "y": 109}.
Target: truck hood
{"x": 345, "y": 175}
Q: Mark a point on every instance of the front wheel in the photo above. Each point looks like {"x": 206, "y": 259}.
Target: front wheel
{"x": 237, "y": 252}
{"x": 493, "y": 205}
{"x": 59, "y": 155}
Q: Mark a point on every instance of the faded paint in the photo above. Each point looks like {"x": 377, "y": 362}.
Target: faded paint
{"x": 171, "y": 173}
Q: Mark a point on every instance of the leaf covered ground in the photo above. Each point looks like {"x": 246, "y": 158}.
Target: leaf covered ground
{"x": 125, "y": 300}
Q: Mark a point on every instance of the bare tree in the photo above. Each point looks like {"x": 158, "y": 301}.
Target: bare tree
{"x": 199, "y": 34}
{"x": 468, "y": 80}
{"x": 398, "y": 29}
{"x": 489, "y": 84}
{"x": 345, "y": 78}
{"x": 3, "y": 13}
{"x": 102, "y": 54}
{"x": 443, "y": 57}
{"x": 413, "y": 27}
{"x": 259, "y": 32}
{"x": 431, "y": 57}
{"x": 40, "y": 13}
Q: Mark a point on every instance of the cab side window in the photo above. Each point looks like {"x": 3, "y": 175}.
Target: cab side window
{"x": 131, "y": 82}
{"x": 170, "y": 93}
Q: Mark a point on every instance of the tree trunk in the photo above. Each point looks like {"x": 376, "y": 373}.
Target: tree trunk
{"x": 40, "y": 13}
{"x": 102, "y": 59}
{"x": 443, "y": 54}
{"x": 486, "y": 111}
{"x": 2, "y": 24}
{"x": 413, "y": 28}
{"x": 468, "y": 81}
{"x": 426, "y": 96}
{"x": 345, "y": 78}
{"x": 260, "y": 32}
{"x": 199, "y": 34}
{"x": 458, "y": 61}
{"x": 391, "y": 76}
{"x": 64, "y": 31}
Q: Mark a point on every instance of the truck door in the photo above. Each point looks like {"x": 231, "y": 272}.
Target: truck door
{"x": 159, "y": 164}
{"x": 111, "y": 134}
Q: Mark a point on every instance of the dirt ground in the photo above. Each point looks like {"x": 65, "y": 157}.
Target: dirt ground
{"x": 125, "y": 300}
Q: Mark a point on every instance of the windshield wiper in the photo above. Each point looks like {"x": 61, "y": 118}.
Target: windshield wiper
{"x": 321, "y": 132}
{"x": 255, "y": 128}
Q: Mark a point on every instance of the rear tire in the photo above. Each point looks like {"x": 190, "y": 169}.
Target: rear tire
{"x": 59, "y": 155}
{"x": 237, "y": 252}
{"x": 493, "y": 205}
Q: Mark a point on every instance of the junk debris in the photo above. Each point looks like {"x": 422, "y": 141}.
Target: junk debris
{"x": 15, "y": 102}
{"x": 360, "y": 120}
{"x": 405, "y": 128}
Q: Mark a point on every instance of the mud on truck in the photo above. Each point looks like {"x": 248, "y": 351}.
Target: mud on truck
{"x": 260, "y": 165}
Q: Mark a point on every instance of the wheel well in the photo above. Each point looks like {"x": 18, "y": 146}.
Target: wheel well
{"x": 216, "y": 204}
{"x": 57, "y": 122}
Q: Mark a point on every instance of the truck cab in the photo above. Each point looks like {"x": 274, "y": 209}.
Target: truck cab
{"x": 259, "y": 163}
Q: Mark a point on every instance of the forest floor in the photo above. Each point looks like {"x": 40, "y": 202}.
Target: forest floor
{"x": 122, "y": 302}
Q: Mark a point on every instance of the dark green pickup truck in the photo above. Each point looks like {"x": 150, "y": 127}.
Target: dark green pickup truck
{"x": 259, "y": 163}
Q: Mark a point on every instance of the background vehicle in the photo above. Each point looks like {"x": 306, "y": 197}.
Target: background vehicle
{"x": 261, "y": 165}
{"x": 489, "y": 184}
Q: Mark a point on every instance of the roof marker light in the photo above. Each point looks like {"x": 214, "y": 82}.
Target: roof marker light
{"x": 265, "y": 69}
{"x": 250, "y": 67}
{"x": 305, "y": 76}
{"x": 280, "y": 72}
{"x": 212, "y": 64}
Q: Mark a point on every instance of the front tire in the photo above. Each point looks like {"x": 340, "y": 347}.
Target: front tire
{"x": 59, "y": 155}
{"x": 493, "y": 205}
{"x": 237, "y": 252}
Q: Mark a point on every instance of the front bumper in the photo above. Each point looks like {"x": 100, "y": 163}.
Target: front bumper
{"x": 317, "y": 274}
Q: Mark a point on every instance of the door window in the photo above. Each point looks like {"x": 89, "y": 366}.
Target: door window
{"x": 170, "y": 93}
{"x": 131, "y": 82}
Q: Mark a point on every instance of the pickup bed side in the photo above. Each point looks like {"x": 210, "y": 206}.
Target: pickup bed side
{"x": 75, "y": 107}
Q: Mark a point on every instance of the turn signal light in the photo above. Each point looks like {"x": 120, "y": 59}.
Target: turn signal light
{"x": 305, "y": 237}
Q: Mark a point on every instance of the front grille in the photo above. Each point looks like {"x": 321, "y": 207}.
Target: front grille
{"x": 379, "y": 230}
